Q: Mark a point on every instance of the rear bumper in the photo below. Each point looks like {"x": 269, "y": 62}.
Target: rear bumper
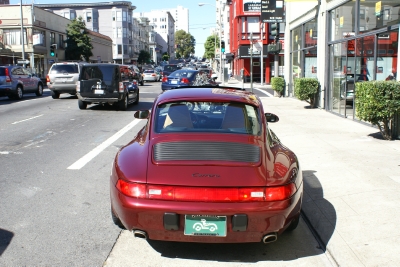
{"x": 62, "y": 88}
{"x": 148, "y": 215}
{"x": 100, "y": 99}
{"x": 6, "y": 90}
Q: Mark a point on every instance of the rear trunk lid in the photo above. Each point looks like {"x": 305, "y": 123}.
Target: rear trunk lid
{"x": 197, "y": 161}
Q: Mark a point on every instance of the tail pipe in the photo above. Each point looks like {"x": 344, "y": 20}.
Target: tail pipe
{"x": 140, "y": 234}
{"x": 271, "y": 237}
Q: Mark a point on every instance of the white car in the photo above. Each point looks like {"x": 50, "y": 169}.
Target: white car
{"x": 151, "y": 75}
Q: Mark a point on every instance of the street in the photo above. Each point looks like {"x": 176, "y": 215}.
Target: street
{"x": 55, "y": 208}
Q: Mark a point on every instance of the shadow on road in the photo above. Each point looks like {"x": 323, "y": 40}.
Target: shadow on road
{"x": 319, "y": 213}
{"x": 5, "y": 240}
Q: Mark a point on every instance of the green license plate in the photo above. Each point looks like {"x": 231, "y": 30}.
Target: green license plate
{"x": 205, "y": 225}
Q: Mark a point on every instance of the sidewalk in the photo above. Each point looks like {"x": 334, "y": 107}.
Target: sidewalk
{"x": 351, "y": 182}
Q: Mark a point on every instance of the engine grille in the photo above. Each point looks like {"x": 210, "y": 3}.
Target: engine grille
{"x": 213, "y": 151}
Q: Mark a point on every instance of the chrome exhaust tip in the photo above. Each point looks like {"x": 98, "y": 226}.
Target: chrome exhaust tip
{"x": 140, "y": 234}
{"x": 268, "y": 238}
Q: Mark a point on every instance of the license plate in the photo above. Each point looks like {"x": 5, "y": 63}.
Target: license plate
{"x": 99, "y": 92}
{"x": 174, "y": 82}
{"x": 205, "y": 225}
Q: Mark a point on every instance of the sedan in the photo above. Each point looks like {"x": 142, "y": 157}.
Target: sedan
{"x": 179, "y": 78}
{"x": 151, "y": 75}
{"x": 206, "y": 168}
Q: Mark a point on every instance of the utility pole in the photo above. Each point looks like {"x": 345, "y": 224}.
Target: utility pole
{"x": 22, "y": 34}
{"x": 262, "y": 53}
{"x": 276, "y": 57}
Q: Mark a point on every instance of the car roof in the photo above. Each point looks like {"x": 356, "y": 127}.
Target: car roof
{"x": 209, "y": 93}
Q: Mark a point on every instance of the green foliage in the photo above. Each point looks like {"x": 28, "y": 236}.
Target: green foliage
{"x": 378, "y": 102}
{"x": 79, "y": 44}
{"x": 144, "y": 57}
{"x": 165, "y": 56}
{"x": 306, "y": 89}
{"x": 184, "y": 44}
{"x": 278, "y": 84}
{"x": 211, "y": 43}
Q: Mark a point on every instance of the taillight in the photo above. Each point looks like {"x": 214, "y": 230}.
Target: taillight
{"x": 185, "y": 80}
{"x": 153, "y": 75}
{"x": 280, "y": 192}
{"x": 132, "y": 189}
{"x": 134, "y": 82}
{"x": 78, "y": 86}
{"x": 47, "y": 78}
{"x": 165, "y": 79}
{"x": 121, "y": 88}
{"x": 8, "y": 78}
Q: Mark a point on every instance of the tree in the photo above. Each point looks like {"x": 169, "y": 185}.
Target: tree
{"x": 210, "y": 45}
{"x": 165, "y": 56}
{"x": 144, "y": 57}
{"x": 184, "y": 44}
{"x": 79, "y": 45}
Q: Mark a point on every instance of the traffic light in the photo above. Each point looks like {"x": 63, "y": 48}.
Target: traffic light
{"x": 52, "y": 50}
{"x": 223, "y": 46}
{"x": 275, "y": 30}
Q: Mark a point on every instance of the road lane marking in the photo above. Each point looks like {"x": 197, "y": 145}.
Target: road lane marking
{"x": 92, "y": 154}
{"x": 27, "y": 119}
{"x": 265, "y": 92}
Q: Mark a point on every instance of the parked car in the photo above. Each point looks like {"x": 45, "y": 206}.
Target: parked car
{"x": 62, "y": 78}
{"x": 151, "y": 75}
{"x": 210, "y": 173}
{"x": 15, "y": 81}
{"x": 179, "y": 78}
{"x": 137, "y": 75}
{"x": 103, "y": 84}
{"x": 348, "y": 84}
{"x": 170, "y": 68}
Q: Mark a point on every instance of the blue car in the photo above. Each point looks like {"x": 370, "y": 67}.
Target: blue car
{"x": 179, "y": 78}
{"x": 15, "y": 81}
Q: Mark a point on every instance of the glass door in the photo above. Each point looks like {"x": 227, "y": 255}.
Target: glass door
{"x": 337, "y": 77}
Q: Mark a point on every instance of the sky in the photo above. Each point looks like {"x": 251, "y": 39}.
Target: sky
{"x": 200, "y": 17}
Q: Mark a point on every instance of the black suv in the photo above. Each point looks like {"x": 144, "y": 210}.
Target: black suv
{"x": 103, "y": 84}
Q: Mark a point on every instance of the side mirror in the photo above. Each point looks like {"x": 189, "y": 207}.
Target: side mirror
{"x": 142, "y": 114}
{"x": 270, "y": 117}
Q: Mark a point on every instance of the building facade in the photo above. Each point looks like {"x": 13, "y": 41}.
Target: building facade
{"x": 181, "y": 17}
{"x": 341, "y": 43}
{"x": 163, "y": 23}
{"x": 248, "y": 41}
{"x": 113, "y": 19}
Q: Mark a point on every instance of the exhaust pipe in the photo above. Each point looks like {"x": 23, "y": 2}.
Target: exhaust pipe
{"x": 140, "y": 234}
{"x": 268, "y": 238}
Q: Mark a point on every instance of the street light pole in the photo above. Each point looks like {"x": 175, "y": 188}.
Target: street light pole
{"x": 22, "y": 34}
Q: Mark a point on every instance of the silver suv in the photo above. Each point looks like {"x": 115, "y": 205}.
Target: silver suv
{"x": 62, "y": 78}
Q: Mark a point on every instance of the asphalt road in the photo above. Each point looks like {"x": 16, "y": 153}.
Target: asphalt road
{"x": 54, "y": 189}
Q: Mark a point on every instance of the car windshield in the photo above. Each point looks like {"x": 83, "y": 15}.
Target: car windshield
{"x": 148, "y": 71}
{"x": 212, "y": 117}
{"x": 64, "y": 68}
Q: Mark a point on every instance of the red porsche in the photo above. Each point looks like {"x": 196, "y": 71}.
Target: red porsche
{"x": 206, "y": 168}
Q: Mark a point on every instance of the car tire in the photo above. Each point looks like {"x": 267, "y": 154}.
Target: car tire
{"x": 20, "y": 93}
{"x": 117, "y": 221}
{"x": 55, "y": 95}
{"x": 293, "y": 224}
{"x": 137, "y": 98}
{"x": 39, "y": 91}
{"x": 82, "y": 104}
{"x": 123, "y": 104}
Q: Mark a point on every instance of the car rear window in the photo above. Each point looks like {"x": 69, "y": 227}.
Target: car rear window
{"x": 170, "y": 68}
{"x": 213, "y": 117}
{"x": 104, "y": 73}
{"x": 179, "y": 74}
{"x": 148, "y": 71}
{"x": 2, "y": 71}
{"x": 67, "y": 68}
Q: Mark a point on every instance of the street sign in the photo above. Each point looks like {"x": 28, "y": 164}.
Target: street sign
{"x": 23, "y": 61}
{"x": 272, "y": 11}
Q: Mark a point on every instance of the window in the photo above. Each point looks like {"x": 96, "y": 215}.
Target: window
{"x": 119, "y": 16}
{"x": 124, "y": 32}
{"x": 52, "y": 38}
{"x": 253, "y": 24}
{"x": 119, "y": 32}
{"x": 61, "y": 41}
{"x": 119, "y": 49}
{"x": 89, "y": 16}
{"x": 216, "y": 117}
{"x": 123, "y": 15}
{"x": 12, "y": 37}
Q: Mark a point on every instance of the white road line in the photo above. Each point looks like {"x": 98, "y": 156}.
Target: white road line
{"x": 268, "y": 94}
{"x": 89, "y": 156}
{"x": 27, "y": 119}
